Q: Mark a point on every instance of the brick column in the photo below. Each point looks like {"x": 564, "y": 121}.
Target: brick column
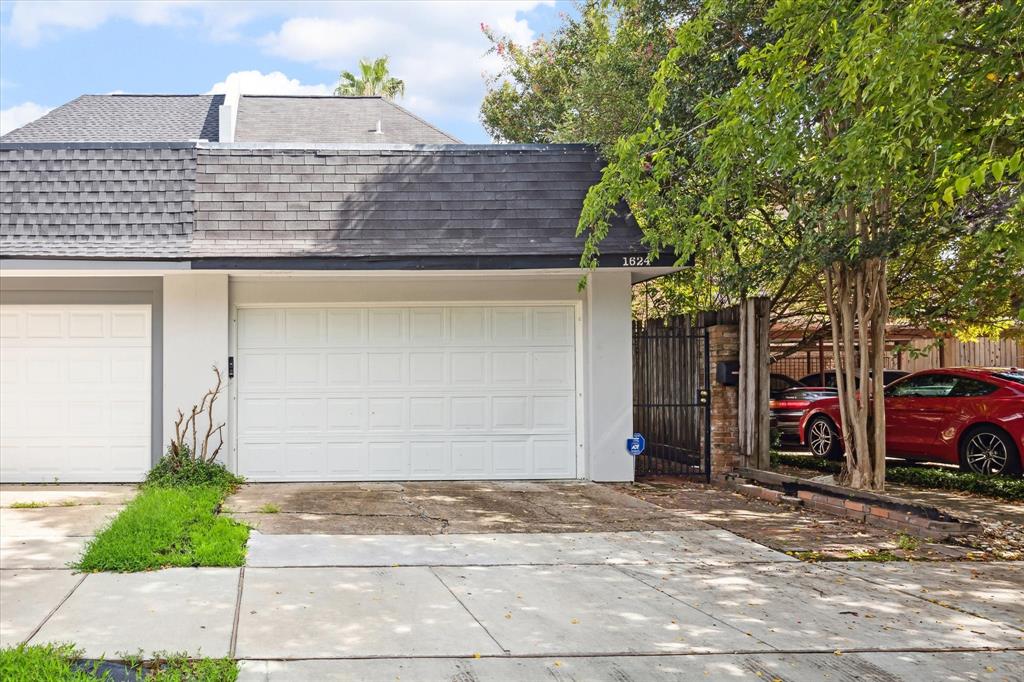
{"x": 724, "y": 340}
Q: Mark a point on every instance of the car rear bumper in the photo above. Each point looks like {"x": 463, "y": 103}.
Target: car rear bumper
{"x": 788, "y": 422}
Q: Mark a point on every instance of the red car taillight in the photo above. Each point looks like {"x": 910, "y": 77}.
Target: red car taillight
{"x": 788, "y": 404}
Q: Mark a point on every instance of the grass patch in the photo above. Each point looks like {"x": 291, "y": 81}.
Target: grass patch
{"x": 907, "y": 543}
{"x": 27, "y": 505}
{"x": 60, "y": 663}
{"x": 168, "y": 527}
{"x": 46, "y": 662}
{"x": 180, "y": 668}
{"x": 1001, "y": 487}
{"x": 269, "y": 508}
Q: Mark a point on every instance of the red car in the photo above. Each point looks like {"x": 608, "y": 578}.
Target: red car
{"x": 973, "y": 417}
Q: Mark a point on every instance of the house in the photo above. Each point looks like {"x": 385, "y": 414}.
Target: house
{"x": 386, "y": 303}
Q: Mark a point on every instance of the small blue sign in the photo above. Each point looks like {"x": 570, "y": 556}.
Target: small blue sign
{"x": 635, "y": 445}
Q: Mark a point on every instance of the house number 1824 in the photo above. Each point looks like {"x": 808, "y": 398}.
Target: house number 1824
{"x": 628, "y": 261}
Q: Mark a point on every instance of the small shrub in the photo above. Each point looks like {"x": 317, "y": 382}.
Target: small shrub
{"x": 182, "y": 470}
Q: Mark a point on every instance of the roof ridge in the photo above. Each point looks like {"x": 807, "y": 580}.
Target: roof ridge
{"x": 313, "y": 96}
{"x": 426, "y": 123}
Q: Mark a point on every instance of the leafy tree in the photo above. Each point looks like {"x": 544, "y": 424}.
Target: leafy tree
{"x": 866, "y": 133}
{"x": 589, "y": 82}
{"x": 373, "y": 79}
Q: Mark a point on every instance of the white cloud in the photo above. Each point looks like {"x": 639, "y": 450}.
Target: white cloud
{"x": 258, "y": 83}
{"x": 436, "y": 46}
{"x": 19, "y": 115}
{"x": 33, "y": 21}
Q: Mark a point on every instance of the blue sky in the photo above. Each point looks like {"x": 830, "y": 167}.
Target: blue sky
{"x": 51, "y": 52}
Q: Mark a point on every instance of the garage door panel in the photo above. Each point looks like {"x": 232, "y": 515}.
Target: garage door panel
{"x": 427, "y": 325}
{"x": 346, "y": 460}
{"x": 75, "y": 399}
{"x": 346, "y": 414}
{"x": 416, "y": 392}
{"x": 429, "y": 459}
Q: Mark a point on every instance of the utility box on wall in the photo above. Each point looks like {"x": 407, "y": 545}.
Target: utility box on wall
{"x": 727, "y": 373}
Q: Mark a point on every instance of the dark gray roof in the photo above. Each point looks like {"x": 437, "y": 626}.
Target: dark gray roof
{"x": 96, "y": 203}
{"x": 456, "y": 200}
{"x": 126, "y": 118}
{"x": 348, "y": 206}
{"x": 329, "y": 119}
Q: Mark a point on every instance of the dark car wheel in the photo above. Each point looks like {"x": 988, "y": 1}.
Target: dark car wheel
{"x": 988, "y": 450}
{"x": 823, "y": 438}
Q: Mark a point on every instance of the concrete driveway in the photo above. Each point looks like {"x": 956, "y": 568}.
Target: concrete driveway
{"x": 683, "y": 602}
{"x": 43, "y": 528}
{"x": 447, "y": 507}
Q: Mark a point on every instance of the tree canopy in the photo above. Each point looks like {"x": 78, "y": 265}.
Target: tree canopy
{"x": 591, "y": 82}
{"x": 835, "y": 151}
{"x": 373, "y": 79}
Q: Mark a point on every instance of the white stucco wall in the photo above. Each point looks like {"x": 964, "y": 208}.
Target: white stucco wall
{"x": 609, "y": 372}
{"x": 195, "y": 338}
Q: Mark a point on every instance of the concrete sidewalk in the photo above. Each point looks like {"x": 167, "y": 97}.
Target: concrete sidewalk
{"x": 657, "y": 605}
{"x": 686, "y": 601}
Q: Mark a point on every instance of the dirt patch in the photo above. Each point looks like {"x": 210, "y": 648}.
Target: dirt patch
{"x": 449, "y": 507}
{"x": 800, "y": 532}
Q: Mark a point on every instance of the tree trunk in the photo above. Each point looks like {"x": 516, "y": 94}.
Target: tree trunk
{"x": 858, "y": 305}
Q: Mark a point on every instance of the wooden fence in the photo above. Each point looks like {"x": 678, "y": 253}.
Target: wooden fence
{"x": 914, "y": 355}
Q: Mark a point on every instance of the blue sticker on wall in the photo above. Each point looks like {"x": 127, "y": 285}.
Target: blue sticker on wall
{"x": 635, "y": 445}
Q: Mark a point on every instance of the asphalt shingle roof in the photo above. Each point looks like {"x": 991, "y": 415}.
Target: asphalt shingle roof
{"x": 328, "y": 119}
{"x": 406, "y": 204}
{"x": 126, "y": 118}
{"x": 456, "y": 200}
{"x": 129, "y": 202}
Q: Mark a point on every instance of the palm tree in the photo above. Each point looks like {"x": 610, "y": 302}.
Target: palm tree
{"x": 373, "y": 79}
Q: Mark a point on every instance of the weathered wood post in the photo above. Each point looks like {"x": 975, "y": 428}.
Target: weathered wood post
{"x": 754, "y": 430}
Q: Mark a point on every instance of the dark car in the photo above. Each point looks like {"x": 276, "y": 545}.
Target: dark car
{"x": 787, "y": 409}
{"x": 888, "y": 376}
{"x": 780, "y": 383}
{"x": 973, "y": 417}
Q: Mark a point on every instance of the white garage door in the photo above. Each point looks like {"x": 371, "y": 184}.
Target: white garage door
{"x": 74, "y": 393}
{"x": 388, "y": 393}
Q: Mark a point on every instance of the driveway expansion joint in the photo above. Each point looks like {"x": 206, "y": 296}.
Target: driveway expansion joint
{"x": 626, "y": 573}
{"x": 652, "y": 654}
{"x": 55, "y": 609}
{"x": 232, "y": 646}
{"x": 471, "y": 614}
{"x": 936, "y": 602}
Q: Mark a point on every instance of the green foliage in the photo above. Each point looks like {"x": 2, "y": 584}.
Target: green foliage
{"x": 373, "y": 79}
{"x": 270, "y": 508}
{"x": 28, "y": 505}
{"x": 57, "y": 663}
{"x": 907, "y": 543}
{"x": 43, "y": 663}
{"x": 164, "y": 527}
{"x": 183, "y": 470}
{"x": 163, "y": 667}
{"x": 1002, "y": 487}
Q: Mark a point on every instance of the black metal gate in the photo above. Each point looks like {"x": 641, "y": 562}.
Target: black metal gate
{"x": 672, "y": 396}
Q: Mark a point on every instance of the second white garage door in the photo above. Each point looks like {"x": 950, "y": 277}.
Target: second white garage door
{"x": 74, "y": 393}
{"x": 400, "y": 393}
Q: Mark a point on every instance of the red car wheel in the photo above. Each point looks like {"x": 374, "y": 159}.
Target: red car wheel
{"x": 987, "y": 450}
{"x": 823, "y": 438}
